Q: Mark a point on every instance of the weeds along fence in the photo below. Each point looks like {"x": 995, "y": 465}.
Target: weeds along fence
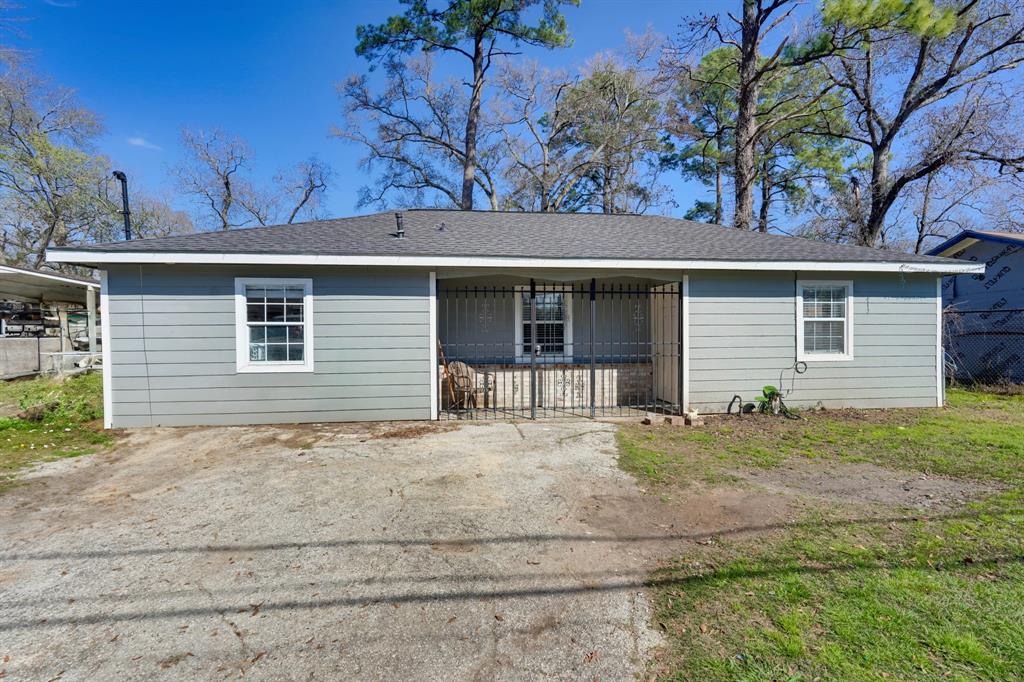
{"x": 984, "y": 347}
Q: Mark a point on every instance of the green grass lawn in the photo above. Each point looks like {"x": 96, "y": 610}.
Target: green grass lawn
{"x": 924, "y": 597}
{"x": 71, "y": 429}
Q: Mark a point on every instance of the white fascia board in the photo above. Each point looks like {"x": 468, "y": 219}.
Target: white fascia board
{"x": 52, "y": 277}
{"x": 940, "y": 358}
{"x": 106, "y": 353}
{"x": 432, "y": 306}
{"x": 110, "y": 257}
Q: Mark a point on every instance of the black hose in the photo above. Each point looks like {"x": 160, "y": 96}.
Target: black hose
{"x": 798, "y": 367}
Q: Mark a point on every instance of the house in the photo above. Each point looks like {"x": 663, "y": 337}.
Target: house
{"x": 985, "y": 310}
{"x": 429, "y": 313}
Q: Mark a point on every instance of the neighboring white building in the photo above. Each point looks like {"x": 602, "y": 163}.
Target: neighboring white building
{"x": 985, "y": 311}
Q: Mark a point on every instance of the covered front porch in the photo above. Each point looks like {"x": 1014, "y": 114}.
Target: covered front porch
{"x": 559, "y": 345}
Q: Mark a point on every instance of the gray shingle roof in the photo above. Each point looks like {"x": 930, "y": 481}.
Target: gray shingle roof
{"x": 508, "y": 234}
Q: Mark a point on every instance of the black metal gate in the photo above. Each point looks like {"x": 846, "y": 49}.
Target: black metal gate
{"x": 541, "y": 350}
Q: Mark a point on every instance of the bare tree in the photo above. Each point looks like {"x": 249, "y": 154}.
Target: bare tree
{"x": 303, "y": 188}
{"x": 946, "y": 202}
{"x": 618, "y": 109}
{"x": 927, "y": 94}
{"x": 588, "y": 140}
{"x": 210, "y": 174}
{"x": 412, "y": 134}
{"x": 1005, "y": 209}
{"x": 214, "y": 173}
{"x": 153, "y": 216}
{"x": 546, "y": 164}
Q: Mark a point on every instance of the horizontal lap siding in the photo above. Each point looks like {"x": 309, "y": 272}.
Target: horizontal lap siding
{"x": 743, "y": 337}
{"x": 173, "y": 348}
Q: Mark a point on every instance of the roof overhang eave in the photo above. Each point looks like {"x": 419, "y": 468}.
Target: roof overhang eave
{"x": 100, "y": 258}
{"x": 969, "y": 238}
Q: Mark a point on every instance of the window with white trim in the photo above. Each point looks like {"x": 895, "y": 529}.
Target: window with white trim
{"x": 274, "y": 328}
{"x": 554, "y": 324}
{"x": 824, "y": 320}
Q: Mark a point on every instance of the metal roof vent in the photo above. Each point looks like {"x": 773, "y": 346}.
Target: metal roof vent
{"x": 442, "y": 227}
{"x": 399, "y": 232}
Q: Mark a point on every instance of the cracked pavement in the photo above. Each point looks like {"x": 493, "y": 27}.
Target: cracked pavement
{"x": 334, "y": 551}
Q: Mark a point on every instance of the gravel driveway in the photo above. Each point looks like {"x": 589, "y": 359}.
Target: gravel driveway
{"x": 344, "y": 552}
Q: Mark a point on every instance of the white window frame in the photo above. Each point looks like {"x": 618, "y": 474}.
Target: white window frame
{"x": 242, "y": 363}
{"x": 801, "y": 354}
{"x": 566, "y": 354}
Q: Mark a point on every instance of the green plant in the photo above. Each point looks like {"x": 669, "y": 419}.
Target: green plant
{"x": 78, "y": 399}
{"x": 65, "y": 430}
{"x": 770, "y": 402}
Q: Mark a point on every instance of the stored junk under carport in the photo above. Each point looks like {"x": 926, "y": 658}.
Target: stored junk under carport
{"x": 602, "y": 348}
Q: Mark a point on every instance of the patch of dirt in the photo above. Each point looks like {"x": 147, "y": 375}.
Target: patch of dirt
{"x": 151, "y": 462}
{"x": 304, "y": 436}
{"x": 658, "y": 525}
{"x": 411, "y": 430}
{"x": 866, "y": 483}
{"x": 9, "y": 409}
{"x": 756, "y": 424}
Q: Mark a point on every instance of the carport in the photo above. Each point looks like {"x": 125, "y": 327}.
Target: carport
{"x": 24, "y": 345}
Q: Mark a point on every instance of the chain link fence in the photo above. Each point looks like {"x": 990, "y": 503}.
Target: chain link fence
{"x": 985, "y": 348}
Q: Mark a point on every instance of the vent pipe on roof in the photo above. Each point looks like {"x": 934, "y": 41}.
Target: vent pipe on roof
{"x": 399, "y": 228}
{"x": 124, "y": 204}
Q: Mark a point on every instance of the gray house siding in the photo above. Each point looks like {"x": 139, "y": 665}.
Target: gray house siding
{"x": 742, "y": 336}
{"x": 173, "y": 350}
{"x": 173, "y": 359}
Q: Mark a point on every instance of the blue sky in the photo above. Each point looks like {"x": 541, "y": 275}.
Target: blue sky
{"x": 265, "y": 71}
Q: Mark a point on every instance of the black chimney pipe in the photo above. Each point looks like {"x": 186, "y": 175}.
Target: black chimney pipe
{"x": 399, "y": 226}
{"x": 124, "y": 203}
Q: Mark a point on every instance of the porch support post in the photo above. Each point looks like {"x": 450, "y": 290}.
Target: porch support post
{"x": 435, "y": 390}
{"x": 593, "y": 334}
{"x": 90, "y": 304}
{"x": 680, "y": 333}
{"x": 533, "y": 349}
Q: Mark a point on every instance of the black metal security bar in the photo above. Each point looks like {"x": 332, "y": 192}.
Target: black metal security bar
{"x": 559, "y": 349}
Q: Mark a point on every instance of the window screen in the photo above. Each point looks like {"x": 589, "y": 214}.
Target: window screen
{"x": 824, "y": 319}
{"x": 551, "y": 317}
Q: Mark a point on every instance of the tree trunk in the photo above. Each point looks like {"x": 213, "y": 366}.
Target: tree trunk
{"x": 472, "y": 123}
{"x": 226, "y": 201}
{"x": 746, "y": 113}
{"x": 868, "y": 231}
{"x": 922, "y": 220}
{"x": 766, "y": 201}
{"x": 606, "y": 191}
{"x": 718, "y": 179}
